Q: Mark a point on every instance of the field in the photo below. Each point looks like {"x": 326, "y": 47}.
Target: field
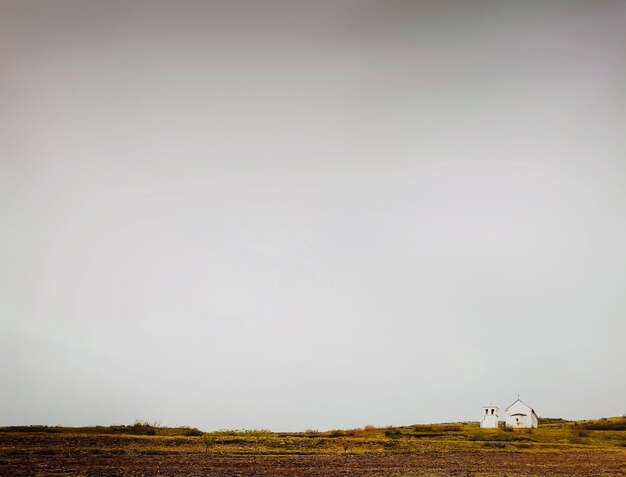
{"x": 558, "y": 447}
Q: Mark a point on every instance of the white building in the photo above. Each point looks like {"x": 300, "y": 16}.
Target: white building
{"x": 520, "y": 415}
{"x": 490, "y": 417}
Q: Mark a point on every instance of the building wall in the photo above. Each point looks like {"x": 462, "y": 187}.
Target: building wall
{"x": 534, "y": 420}
{"x": 490, "y": 420}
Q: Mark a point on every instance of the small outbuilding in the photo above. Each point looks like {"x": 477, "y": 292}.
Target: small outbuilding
{"x": 520, "y": 415}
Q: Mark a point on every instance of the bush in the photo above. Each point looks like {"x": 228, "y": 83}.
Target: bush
{"x": 423, "y": 428}
{"x": 180, "y": 431}
{"x": 552, "y": 420}
{"x": 244, "y": 432}
{"x": 604, "y": 425}
{"x": 450, "y": 428}
{"x": 35, "y": 428}
{"x": 481, "y": 436}
{"x": 393, "y": 433}
{"x": 344, "y": 444}
{"x": 340, "y": 433}
{"x": 142, "y": 428}
{"x": 577, "y": 440}
{"x": 498, "y": 445}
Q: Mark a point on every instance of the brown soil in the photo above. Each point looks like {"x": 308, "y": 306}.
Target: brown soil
{"x": 47, "y": 455}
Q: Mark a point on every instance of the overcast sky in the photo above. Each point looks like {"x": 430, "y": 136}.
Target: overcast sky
{"x": 321, "y": 214}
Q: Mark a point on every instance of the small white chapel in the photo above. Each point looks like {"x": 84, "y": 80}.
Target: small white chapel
{"x": 518, "y": 415}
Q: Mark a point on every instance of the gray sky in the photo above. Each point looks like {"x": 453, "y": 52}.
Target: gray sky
{"x": 321, "y": 214}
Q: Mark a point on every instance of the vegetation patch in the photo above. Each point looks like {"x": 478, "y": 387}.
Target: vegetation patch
{"x": 506, "y": 436}
{"x": 614, "y": 424}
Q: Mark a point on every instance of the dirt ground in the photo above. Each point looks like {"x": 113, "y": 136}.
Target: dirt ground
{"x": 42, "y": 455}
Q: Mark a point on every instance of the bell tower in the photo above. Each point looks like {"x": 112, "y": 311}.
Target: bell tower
{"x": 490, "y": 417}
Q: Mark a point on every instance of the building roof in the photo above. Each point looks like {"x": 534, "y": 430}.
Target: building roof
{"x": 519, "y": 400}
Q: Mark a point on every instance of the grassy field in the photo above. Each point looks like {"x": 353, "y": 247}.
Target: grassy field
{"x": 558, "y": 447}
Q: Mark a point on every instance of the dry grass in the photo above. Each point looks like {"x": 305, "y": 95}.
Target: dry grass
{"x": 555, "y": 436}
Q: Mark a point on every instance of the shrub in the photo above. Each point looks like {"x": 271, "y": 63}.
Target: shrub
{"x": 552, "y": 420}
{"x": 188, "y": 431}
{"x": 450, "y": 428}
{"x": 576, "y": 440}
{"x": 34, "y": 428}
{"x": 423, "y": 428}
{"x": 142, "y": 428}
{"x": 481, "y": 436}
{"x": 393, "y": 433}
{"x": 498, "y": 445}
{"x": 344, "y": 444}
{"x": 605, "y": 425}
{"x": 210, "y": 440}
{"x": 340, "y": 433}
